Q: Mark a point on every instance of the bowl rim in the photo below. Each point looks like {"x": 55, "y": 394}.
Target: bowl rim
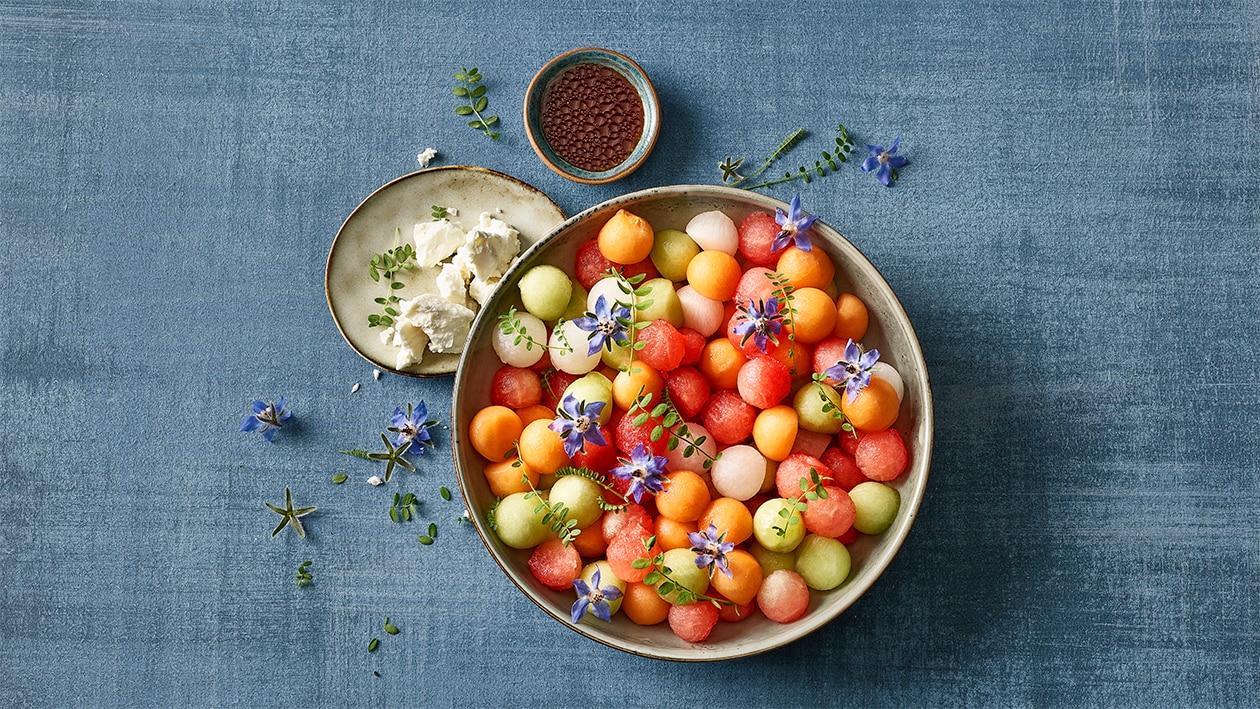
{"x": 900, "y": 529}
{"x": 651, "y": 104}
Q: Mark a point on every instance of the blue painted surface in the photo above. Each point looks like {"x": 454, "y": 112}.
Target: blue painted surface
{"x": 1075, "y": 239}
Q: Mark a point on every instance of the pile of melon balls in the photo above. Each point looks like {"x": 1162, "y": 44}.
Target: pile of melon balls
{"x": 727, "y": 472}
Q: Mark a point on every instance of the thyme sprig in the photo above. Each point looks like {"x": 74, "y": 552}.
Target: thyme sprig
{"x": 632, "y": 287}
{"x": 439, "y": 213}
{"x": 661, "y": 574}
{"x": 784, "y": 291}
{"x": 473, "y": 91}
{"x": 829, "y": 407}
{"x": 601, "y": 480}
{"x": 510, "y": 324}
{"x": 303, "y": 574}
{"x": 404, "y": 508}
{"x": 387, "y": 265}
{"x": 670, "y": 422}
{"x": 828, "y": 162}
{"x": 811, "y": 489}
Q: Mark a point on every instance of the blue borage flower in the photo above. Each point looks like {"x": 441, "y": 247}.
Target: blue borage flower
{"x": 794, "y": 227}
{"x": 854, "y": 369}
{"x": 578, "y": 423}
{"x": 884, "y": 161}
{"x": 591, "y": 596}
{"x": 762, "y": 322}
{"x": 412, "y": 427}
{"x": 266, "y": 417}
{"x": 607, "y": 325}
{"x": 644, "y": 471}
{"x": 711, "y": 549}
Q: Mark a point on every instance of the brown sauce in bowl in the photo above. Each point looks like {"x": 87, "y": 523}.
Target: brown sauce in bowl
{"x": 592, "y": 117}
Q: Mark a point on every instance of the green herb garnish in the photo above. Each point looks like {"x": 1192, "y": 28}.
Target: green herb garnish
{"x": 387, "y": 265}
{"x": 339, "y": 478}
{"x": 446, "y": 494}
{"x": 439, "y": 212}
{"x": 829, "y": 162}
{"x": 473, "y": 91}
{"x": 390, "y": 627}
{"x": 811, "y": 489}
{"x": 404, "y": 508}
{"x": 303, "y": 574}
{"x": 373, "y": 644}
{"x": 290, "y": 516}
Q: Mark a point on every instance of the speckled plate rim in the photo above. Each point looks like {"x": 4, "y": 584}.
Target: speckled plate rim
{"x": 392, "y": 184}
{"x": 642, "y": 84}
{"x": 920, "y": 462}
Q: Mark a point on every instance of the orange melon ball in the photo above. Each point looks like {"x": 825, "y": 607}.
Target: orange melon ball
{"x": 643, "y": 605}
{"x": 714, "y": 275}
{"x": 507, "y": 477}
{"x": 493, "y": 432}
{"x": 815, "y": 316}
{"x": 671, "y": 534}
{"x": 638, "y": 380}
{"x": 626, "y": 238}
{"x": 806, "y": 269}
{"x": 745, "y": 579}
{"x": 720, "y": 362}
{"x": 542, "y": 448}
{"x": 529, "y": 414}
{"x": 874, "y": 408}
{"x": 684, "y": 498}
{"x": 731, "y": 517}
{"x": 774, "y": 431}
{"x": 851, "y": 317}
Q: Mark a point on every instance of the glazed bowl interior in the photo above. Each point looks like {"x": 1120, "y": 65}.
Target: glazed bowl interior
{"x": 890, "y": 331}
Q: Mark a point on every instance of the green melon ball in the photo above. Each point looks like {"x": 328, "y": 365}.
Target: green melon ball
{"x": 876, "y": 505}
{"x": 545, "y": 292}
{"x": 683, "y": 572}
{"x": 823, "y": 563}
{"x": 772, "y": 561}
{"x": 580, "y": 496}
{"x": 577, "y": 303}
{"x": 618, "y": 357}
{"x": 606, "y": 578}
{"x": 671, "y": 252}
{"x": 809, "y": 403}
{"x": 591, "y": 388}
{"x": 777, "y": 525}
{"x": 663, "y": 303}
{"x": 517, "y": 525}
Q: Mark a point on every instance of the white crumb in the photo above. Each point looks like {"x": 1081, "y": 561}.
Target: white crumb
{"x": 354, "y": 388}
{"x": 425, "y": 157}
{"x": 375, "y": 481}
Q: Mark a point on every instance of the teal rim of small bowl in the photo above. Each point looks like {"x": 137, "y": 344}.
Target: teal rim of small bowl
{"x": 599, "y": 57}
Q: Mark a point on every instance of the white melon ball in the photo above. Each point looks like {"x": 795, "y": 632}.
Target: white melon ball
{"x": 885, "y": 371}
{"x": 740, "y": 472}
{"x": 714, "y": 231}
{"x": 569, "y": 344}
{"x": 515, "y": 347}
{"x": 694, "y": 462}
{"x": 704, "y": 315}
{"x": 610, "y": 289}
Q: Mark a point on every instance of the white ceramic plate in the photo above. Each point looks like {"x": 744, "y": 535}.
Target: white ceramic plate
{"x": 399, "y": 205}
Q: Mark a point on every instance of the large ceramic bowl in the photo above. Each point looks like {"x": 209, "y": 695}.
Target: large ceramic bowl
{"x": 890, "y": 331}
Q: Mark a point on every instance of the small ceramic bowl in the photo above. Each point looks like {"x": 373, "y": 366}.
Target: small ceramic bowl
{"x": 890, "y": 331}
{"x": 553, "y": 155}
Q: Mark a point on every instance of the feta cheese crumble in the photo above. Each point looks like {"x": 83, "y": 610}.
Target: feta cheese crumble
{"x": 426, "y": 156}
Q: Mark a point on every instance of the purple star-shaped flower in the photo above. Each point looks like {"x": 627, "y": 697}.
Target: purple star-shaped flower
{"x": 711, "y": 549}
{"x": 606, "y": 325}
{"x": 591, "y": 596}
{"x": 644, "y": 470}
{"x": 578, "y": 423}
{"x": 884, "y": 161}
{"x": 412, "y": 427}
{"x": 268, "y": 418}
{"x": 854, "y": 369}
{"x": 761, "y": 321}
{"x": 794, "y": 226}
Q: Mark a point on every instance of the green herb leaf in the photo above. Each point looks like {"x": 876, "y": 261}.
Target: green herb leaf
{"x": 339, "y": 478}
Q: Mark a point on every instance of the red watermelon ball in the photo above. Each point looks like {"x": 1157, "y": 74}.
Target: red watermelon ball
{"x": 664, "y": 347}
{"x": 728, "y": 417}
{"x": 764, "y": 381}
{"x": 882, "y": 455}
{"x": 694, "y": 621}
{"x": 688, "y": 389}
{"x": 756, "y": 237}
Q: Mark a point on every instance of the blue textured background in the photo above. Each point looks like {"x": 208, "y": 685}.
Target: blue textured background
{"x": 1075, "y": 239}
